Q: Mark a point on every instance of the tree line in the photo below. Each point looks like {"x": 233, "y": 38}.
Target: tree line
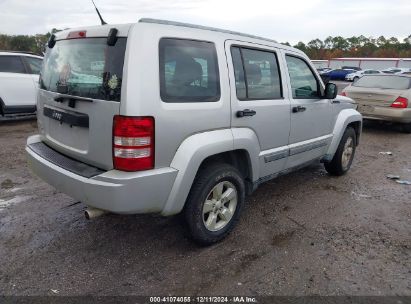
{"x": 26, "y": 43}
{"x": 361, "y": 46}
{"x": 331, "y": 47}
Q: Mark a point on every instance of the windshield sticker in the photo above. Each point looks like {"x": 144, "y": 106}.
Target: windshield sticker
{"x": 65, "y": 74}
{"x": 113, "y": 82}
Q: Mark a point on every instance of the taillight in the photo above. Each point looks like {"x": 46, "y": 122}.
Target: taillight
{"x": 344, "y": 94}
{"x": 400, "y": 102}
{"x": 133, "y": 143}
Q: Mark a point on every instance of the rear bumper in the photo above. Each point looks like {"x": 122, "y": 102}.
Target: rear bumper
{"x": 114, "y": 191}
{"x": 389, "y": 114}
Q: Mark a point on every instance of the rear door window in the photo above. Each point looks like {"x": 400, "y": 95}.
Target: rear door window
{"x": 256, "y": 73}
{"x": 11, "y": 64}
{"x": 86, "y": 67}
{"x": 188, "y": 71}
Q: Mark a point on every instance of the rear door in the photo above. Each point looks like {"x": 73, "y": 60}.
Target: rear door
{"x": 312, "y": 117}
{"x": 16, "y": 85}
{"x": 259, "y": 101}
{"x": 80, "y": 92}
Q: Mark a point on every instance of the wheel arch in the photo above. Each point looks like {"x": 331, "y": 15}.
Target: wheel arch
{"x": 346, "y": 118}
{"x": 239, "y": 159}
{"x": 357, "y": 126}
{"x": 202, "y": 149}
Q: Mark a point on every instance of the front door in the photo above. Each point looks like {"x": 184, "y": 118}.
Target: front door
{"x": 311, "y": 115}
{"x": 259, "y": 101}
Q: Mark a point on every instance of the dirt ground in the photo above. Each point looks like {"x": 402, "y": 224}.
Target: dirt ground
{"x": 302, "y": 234}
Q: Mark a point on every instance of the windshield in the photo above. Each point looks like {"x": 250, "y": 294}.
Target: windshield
{"x": 85, "y": 67}
{"x": 384, "y": 82}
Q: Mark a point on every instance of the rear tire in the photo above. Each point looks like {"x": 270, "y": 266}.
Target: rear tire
{"x": 344, "y": 155}
{"x": 214, "y": 203}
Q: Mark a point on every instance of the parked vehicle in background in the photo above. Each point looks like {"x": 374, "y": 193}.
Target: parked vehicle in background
{"x": 323, "y": 70}
{"x": 357, "y": 75}
{"x": 395, "y": 70}
{"x": 197, "y": 119}
{"x": 351, "y": 68}
{"x": 19, "y": 76}
{"x": 383, "y": 97}
{"x": 338, "y": 74}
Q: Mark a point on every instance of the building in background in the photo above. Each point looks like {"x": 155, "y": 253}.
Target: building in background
{"x": 364, "y": 63}
{"x": 319, "y": 64}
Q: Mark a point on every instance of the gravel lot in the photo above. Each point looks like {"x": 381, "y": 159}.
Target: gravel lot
{"x": 302, "y": 234}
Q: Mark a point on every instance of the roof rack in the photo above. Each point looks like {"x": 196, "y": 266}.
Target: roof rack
{"x": 201, "y": 27}
{"x": 20, "y": 52}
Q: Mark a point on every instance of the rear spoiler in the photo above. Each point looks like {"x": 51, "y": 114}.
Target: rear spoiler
{"x": 111, "y": 38}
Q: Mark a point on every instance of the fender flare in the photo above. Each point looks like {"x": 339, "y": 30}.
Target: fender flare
{"x": 189, "y": 156}
{"x": 344, "y": 118}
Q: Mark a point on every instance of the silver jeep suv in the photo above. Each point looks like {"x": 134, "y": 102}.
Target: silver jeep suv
{"x": 165, "y": 117}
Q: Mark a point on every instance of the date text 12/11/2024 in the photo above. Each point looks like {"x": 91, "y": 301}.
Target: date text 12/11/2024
{"x": 200, "y": 299}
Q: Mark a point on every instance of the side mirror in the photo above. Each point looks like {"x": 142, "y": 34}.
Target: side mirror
{"x": 330, "y": 91}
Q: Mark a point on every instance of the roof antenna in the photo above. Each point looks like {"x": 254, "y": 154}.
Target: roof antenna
{"x": 98, "y": 13}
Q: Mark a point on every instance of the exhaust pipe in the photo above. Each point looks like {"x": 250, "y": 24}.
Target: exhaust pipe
{"x": 92, "y": 213}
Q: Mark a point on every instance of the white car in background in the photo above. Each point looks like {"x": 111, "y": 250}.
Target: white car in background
{"x": 357, "y": 75}
{"x": 19, "y": 77}
{"x": 395, "y": 70}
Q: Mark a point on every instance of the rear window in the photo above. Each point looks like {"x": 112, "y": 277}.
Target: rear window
{"x": 188, "y": 71}
{"x": 85, "y": 67}
{"x": 384, "y": 82}
{"x": 11, "y": 64}
{"x": 34, "y": 64}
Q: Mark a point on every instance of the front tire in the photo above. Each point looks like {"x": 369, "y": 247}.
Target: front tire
{"x": 344, "y": 155}
{"x": 214, "y": 203}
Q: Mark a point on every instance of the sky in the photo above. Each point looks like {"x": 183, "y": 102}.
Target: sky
{"x": 289, "y": 20}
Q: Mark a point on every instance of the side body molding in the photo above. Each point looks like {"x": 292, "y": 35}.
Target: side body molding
{"x": 188, "y": 159}
{"x": 345, "y": 117}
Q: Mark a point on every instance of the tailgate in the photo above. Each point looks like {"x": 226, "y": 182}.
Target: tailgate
{"x": 80, "y": 92}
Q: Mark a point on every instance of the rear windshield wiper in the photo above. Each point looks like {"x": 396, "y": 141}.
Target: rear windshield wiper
{"x": 71, "y": 99}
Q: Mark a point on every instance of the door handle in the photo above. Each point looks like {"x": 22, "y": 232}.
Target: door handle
{"x": 246, "y": 112}
{"x": 298, "y": 109}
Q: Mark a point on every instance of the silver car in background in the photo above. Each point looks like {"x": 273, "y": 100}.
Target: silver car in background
{"x": 383, "y": 97}
{"x": 357, "y": 75}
